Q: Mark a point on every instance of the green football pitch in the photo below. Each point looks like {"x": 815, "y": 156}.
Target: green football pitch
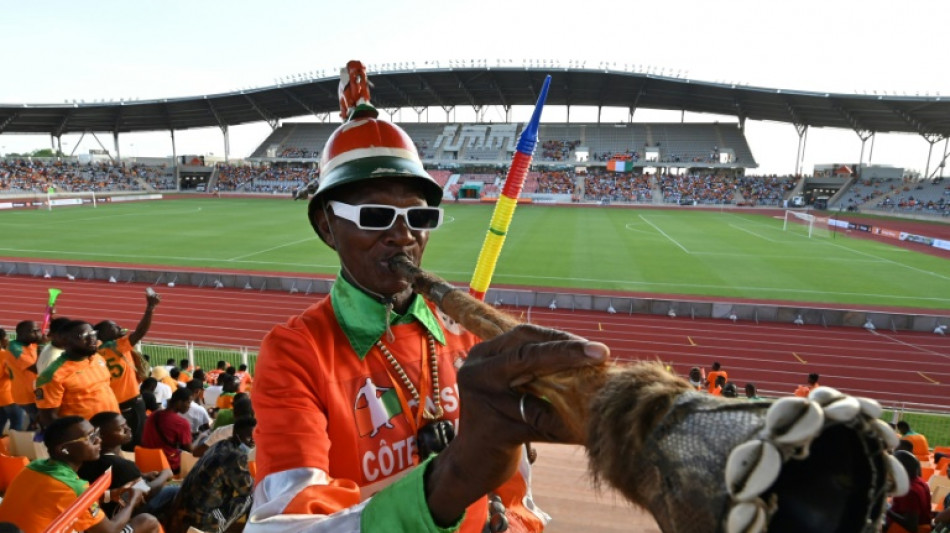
{"x": 688, "y": 252}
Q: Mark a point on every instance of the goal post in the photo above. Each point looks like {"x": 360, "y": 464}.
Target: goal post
{"x": 805, "y": 224}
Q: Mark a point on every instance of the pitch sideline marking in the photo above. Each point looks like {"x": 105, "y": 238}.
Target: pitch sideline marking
{"x": 664, "y": 234}
{"x": 235, "y": 258}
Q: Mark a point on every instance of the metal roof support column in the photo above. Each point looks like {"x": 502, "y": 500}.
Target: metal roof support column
{"x": 946, "y": 154}
{"x": 931, "y": 139}
{"x": 864, "y": 135}
{"x": 75, "y": 146}
{"x": 599, "y": 109}
{"x": 802, "y": 130}
{"x": 59, "y": 149}
{"x": 227, "y": 143}
{"x": 175, "y": 159}
{"x": 508, "y": 113}
{"x": 115, "y": 141}
{"x": 52, "y": 142}
{"x": 871, "y": 153}
{"x": 630, "y": 111}
{"x": 104, "y": 149}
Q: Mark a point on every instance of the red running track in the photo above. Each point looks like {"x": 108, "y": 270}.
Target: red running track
{"x": 892, "y": 367}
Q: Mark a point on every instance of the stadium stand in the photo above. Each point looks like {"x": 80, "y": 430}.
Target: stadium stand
{"x": 765, "y": 190}
{"x": 262, "y": 179}
{"x": 865, "y": 191}
{"x": 923, "y": 197}
{"x": 697, "y": 189}
{"x": 674, "y": 143}
{"x": 34, "y": 175}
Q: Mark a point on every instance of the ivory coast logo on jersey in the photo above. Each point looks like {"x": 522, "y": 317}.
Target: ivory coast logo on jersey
{"x": 374, "y": 408}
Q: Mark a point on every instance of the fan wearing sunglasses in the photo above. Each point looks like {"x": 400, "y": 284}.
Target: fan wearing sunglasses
{"x": 77, "y": 382}
{"x": 361, "y": 394}
{"x": 46, "y": 487}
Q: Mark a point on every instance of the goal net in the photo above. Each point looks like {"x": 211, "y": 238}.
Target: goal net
{"x": 805, "y": 224}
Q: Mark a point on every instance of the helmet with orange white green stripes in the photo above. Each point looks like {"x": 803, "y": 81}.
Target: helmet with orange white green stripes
{"x": 365, "y": 148}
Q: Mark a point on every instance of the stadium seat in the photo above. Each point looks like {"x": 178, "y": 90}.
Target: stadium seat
{"x": 252, "y": 467}
{"x": 939, "y": 488}
{"x": 926, "y": 472}
{"x": 9, "y": 468}
{"x": 941, "y": 467}
{"x": 187, "y": 463}
{"x": 5, "y": 445}
{"x": 151, "y": 459}
{"x": 22, "y": 444}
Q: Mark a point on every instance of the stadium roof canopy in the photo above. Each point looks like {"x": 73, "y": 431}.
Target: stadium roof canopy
{"x": 493, "y": 86}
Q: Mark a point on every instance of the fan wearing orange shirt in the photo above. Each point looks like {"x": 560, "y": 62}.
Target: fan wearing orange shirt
{"x": 77, "y": 383}
{"x": 118, "y": 350}
{"x": 803, "y": 390}
{"x": 9, "y": 410}
{"x": 47, "y": 487}
{"x": 21, "y": 358}
{"x": 713, "y": 375}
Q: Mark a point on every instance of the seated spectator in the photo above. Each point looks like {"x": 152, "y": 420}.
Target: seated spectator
{"x": 115, "y": 432}
{"x": 751, "y": 393}
{"x": 910, "y": 512}
{"x": 803, "y": 390}
{"x": 186, "y": 370}
{"x": 716, "y": 389}
{"x": 167, "y": 429}
{"x": 229, "y": 387}
{"x": 43, "y": 490}
{"x": 219, "y": 485}
{"x": 211, "y": 376}
{"x": 175, "y": 375}
{"x": 729, "y": 390}
{"x": 921, "y": 446}
{"x": 244, "y": 379}
{"x": 197, "y": 414}
{"x": 696, "y": 379}
{"x": 713, "y": 376}
{"x": 227, "y": 416}
{"x": 170, "y": 385}
{"x": 148, "y": 388}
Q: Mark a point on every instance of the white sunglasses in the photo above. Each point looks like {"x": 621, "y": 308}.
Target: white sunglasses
{"x": 377, "y": 217}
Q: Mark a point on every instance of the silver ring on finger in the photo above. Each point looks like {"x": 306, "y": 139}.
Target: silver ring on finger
{"x": 521, "y": 408}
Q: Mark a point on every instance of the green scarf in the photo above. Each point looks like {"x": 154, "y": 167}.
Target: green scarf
{"x": 61, "y": 472}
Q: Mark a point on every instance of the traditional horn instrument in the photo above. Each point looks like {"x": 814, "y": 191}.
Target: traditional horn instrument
{"x": 50, "y": 307}
{"x": 700, "y": 463}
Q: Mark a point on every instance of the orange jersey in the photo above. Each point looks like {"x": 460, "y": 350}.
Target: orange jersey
{"x": 119, "y": 359}
{"x": 244, "y": 381}
{"x": 711, "y": 378}
{"x": 19, "y": 358}
{"x": 6, "y": 384}
{"x": 76, "y": 387}
{"x": 332, "y": 431}
{"x": 211, "y": 376}
{"x": 225, "y": 401}
{"x": 36, "y": 498}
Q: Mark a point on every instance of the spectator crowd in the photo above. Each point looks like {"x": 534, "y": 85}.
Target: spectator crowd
{"x": 178, "y": 441}
{"x": 38, "y": 176}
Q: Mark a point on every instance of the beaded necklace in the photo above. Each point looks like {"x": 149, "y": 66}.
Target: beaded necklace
{"x": 434, "y": 365}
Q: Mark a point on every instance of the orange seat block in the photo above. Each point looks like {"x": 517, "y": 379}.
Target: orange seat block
{"x": 9, "y": 468}
{"x": 151, "y": 459}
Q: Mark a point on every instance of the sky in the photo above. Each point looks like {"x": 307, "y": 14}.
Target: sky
{"x": 56, "y": 50}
